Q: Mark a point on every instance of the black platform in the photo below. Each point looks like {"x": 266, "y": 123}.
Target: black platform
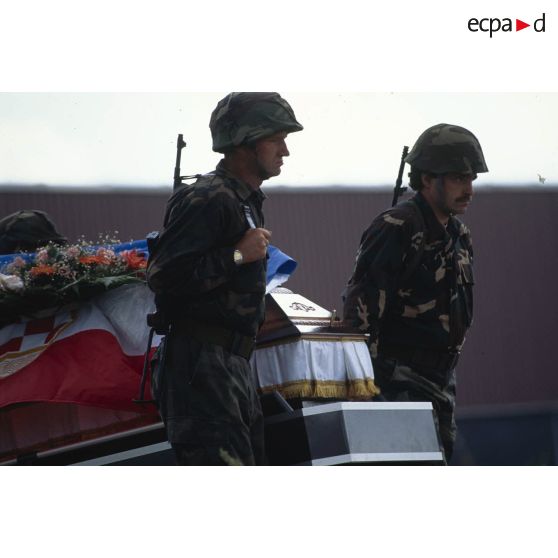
{"x": 340, "y": 433}
{"x": 351, "y": 433}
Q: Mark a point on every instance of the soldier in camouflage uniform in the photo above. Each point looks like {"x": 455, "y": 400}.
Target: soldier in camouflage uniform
{"x": 208, "y": 272}
{"x": 412, "y": 286}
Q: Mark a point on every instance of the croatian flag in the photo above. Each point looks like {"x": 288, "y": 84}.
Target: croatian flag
{"x": 91, "y": 353}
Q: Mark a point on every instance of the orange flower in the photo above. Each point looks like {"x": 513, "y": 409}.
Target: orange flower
{"x": 42, "y": 270}
{"x": 88, "y": 260}
{"x": 133, "y": 259}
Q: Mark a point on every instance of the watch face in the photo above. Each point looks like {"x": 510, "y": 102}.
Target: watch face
{"x": 237, "y": 255}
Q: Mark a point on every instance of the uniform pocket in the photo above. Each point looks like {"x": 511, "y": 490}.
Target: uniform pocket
{"x": 465, "y": 282}
{"x": 466, "y": 276}
{"x": 464, "y": 267}
{"x": 157, "y": 370}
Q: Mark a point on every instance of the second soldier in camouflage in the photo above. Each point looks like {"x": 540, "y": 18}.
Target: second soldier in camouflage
{"x": 412, "y": 286}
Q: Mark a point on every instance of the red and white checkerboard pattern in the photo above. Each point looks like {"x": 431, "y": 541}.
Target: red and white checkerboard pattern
{"x": 21, "y": 343}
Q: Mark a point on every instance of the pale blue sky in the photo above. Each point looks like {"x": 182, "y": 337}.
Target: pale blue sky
{"x": 349, "y": 138}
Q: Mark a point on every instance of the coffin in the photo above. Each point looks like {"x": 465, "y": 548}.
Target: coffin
{"x": 304, "y": 352}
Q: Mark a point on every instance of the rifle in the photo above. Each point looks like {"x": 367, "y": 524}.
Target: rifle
{"x": 180, "y": 144}
{"x": 398, "y": 190}
{"x": 155, "y": 321}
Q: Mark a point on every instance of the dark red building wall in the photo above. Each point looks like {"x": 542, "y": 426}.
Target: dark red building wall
{"x": 508, "y": 356}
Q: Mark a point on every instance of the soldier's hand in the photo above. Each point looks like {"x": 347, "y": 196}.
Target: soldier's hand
{"x": 253, "y": 245}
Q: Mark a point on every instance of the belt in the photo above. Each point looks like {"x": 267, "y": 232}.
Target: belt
{"x": 421, "y": 358}
{"x": 232, "y": 341}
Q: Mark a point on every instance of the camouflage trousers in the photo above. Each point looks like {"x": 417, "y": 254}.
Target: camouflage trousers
{"x": 208, "y": 403}
{"x": 399, "y": 382}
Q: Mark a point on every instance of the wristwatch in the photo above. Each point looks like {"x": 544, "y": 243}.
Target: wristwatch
{"x": 237, "y": 256}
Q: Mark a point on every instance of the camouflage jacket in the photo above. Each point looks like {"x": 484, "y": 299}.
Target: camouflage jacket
{"x": 192, "y": 270}
{"x": 430, "y": 308}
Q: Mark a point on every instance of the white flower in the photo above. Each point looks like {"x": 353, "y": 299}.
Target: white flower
{"x": 65, "y": 271}
{"x": 105, "y": 253}
{"x": 10, "y": 283}
{"x": 42, "y": 256}
{"x": 18, "y": 262}
{"x": 73, "y": 251}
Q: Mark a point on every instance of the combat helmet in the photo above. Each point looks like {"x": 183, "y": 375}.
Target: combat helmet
{"x": 242, "y": 118}
{"x": 27, "y": 230}
{"x": 447, "y": 148}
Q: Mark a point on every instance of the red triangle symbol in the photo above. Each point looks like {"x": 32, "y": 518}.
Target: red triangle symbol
{"x": 519, "y": 25}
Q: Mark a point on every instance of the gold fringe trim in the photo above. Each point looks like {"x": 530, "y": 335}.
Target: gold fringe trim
{"x": 352, "y": 390}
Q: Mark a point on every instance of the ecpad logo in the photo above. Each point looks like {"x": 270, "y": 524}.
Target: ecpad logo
{"x": 494, "y": 24}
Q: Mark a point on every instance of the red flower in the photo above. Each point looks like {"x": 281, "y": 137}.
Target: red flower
{"x": 42, "y": 270}
{"x": 88, "y": 260}
{"x": 133, "y": 259}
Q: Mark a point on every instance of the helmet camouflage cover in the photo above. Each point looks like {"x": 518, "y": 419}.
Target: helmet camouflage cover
{"x": 242, "y": 118}
{"x": 27, "y": 229}
{"x": 447, "y": 148}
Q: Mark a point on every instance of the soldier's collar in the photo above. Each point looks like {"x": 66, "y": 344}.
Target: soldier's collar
{"x": 436, "y": 230}
{"x": 242, "y": 190}
{"x": 454, "y": 226}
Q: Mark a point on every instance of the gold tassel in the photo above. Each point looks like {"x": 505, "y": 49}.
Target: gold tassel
{"x": 350, "y": 390}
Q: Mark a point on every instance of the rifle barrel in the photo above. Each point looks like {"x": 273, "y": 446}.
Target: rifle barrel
{"x": 397, "y": 191}
{"x": 180, "y": 144}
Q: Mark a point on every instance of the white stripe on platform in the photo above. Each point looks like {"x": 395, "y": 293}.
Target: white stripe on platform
{"x": 129, "y": 454}
{"x": 377, "y": 458}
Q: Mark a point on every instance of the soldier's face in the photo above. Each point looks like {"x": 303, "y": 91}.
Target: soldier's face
{"x": 269, "y": 155}
{"x": 451, "y": 193}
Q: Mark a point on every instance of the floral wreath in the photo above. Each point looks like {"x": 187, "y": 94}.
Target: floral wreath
{"x": 57, "y": 275}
